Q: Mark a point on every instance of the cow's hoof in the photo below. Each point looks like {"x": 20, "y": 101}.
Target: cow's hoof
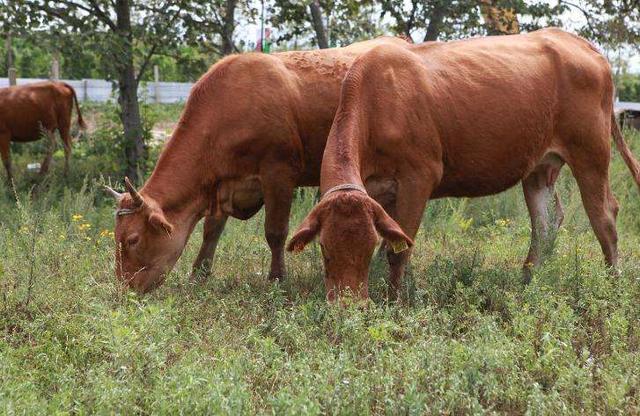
{"x": 276, "y": 276}
{"x": 615, "y": 272}
{"x": 527, "y": 275}
{"x": 199, "y": 275}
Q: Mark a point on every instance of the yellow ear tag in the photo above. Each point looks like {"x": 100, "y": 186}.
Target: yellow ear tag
{"x": 399, "y": 246}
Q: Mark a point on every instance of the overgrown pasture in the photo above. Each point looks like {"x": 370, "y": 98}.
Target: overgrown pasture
{"x": 466, "y": 337}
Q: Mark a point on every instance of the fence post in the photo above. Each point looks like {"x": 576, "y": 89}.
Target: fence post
{"x": 12, "y": 77}
{"x": 55, "y": 69}
{"x": 11, "y": 72}
{"x": 7, "y": 44}
{"x": 156, "y": 85}
{"x": 85, "y": 90}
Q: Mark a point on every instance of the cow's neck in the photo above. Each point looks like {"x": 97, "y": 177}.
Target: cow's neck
{"x": 343, "y": 157}
{"x": 178, "y": 182}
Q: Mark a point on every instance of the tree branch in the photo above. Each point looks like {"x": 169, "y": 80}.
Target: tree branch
{"x": 145, "y": 62}
{"x": 95, "y": 10}
{"x": 154, "y": 47}
{"x": 102, "y": 15}
{"x": 586, "y": 14}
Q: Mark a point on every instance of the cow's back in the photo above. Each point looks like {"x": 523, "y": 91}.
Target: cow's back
{"x": 280, "y": 107}
{"x": 26, "y": 109}
{"x": 505, "y": 101}
{"x": 318, "y": 78}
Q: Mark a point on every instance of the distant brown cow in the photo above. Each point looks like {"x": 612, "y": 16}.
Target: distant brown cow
{"x": 463, "y": 119}
{"x": 253, "y": 129}
{"x": 28, "y": 111}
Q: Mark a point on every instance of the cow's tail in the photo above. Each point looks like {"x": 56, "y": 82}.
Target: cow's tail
{"x": 81, "y": 122}
{"x": 625, "y": 152}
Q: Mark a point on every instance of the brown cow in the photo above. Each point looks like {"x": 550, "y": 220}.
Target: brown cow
{"x": 28, "y": 111}
{"x": 462, "y": 119}
{"x": 253, "y": 129}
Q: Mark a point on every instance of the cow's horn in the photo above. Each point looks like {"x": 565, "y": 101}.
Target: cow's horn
{"x": 137, "y": 198}
{"x": 117, "y": 195}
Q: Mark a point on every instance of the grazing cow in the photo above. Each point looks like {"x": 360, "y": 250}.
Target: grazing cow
{"x": 462, "y": 119}
{"x": 28, "y": 111}
{"x": 253, "y": 129}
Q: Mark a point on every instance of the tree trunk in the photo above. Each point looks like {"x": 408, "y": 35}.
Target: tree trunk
{"x": 435, "y": 23}
{"x": 318, "y": 25}
{"x": 7, "y": 28}
{"x": 128, "y": 89}
{"x": 410, "y": 23}
{"x": 229, "y": 26}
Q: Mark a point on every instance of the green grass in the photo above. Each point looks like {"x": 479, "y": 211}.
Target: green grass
{"x": 467, "y": 337}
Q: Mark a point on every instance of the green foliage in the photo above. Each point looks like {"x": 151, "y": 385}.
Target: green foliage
{"x": 628, "y": 87}
{"x": 610, "y": 22}
{"x": 348, "y": 21}
{"x": 468, "y": 336}
{"x": 30, "y": 60}
{"x": 187, "y": 65}
{"x": 185, "y": 37}
{"x": 105, "y": 148}
{"x": 97, "y": 153}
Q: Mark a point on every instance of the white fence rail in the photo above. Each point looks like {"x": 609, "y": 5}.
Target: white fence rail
{"x": 99, "y": 90}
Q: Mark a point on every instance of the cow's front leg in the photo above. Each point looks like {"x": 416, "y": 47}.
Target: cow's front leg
{"x": 213, "y": 228}
{"x": 5, "y": 146}
{"x": 411, "y": 199}
{"x": 278, "y": 195}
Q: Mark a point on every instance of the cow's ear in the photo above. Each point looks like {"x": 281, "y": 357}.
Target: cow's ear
{"x": 305, "y": 233}
{"x": 391, "y": 231}
{"x": 159, "y": 221}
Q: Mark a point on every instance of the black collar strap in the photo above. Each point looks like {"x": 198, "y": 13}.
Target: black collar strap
{"x": 345, "y": 187}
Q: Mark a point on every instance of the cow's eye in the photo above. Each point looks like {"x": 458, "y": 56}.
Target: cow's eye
{"x": 132, "y": 240}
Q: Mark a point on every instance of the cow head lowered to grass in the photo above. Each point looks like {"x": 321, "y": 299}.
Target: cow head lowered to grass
{"x": 147, "y": 243}
{"x": 349, "y": 225}
{"x": 252, "y": 130}
{"x": 465, "y": 118}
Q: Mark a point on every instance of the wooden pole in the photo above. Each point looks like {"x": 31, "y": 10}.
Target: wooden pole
{"x": 11, "y": 71}
{"x": 13, "y": 78}
{"x": 156, "y": 84}
{"x": 9, "y": 50}
{"x": 55, "y": 69}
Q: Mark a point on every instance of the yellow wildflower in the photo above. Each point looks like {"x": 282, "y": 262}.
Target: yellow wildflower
{"x": 76, "y": 217}
{"x": 465, "y": 224}
{"x": 503, "y": 222}
{"x": 106, "y": 233}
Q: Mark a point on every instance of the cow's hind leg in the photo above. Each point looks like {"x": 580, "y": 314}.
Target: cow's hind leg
{"x": 5, "y": 146}
{"x": 213, "y": 228}
{"x": 602, "y": 209}
{"x": 51, "y": 135}
{"x": 66, "y": 142}
{"x": 545, "y": 210}
{"x": 590, "y": 166}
